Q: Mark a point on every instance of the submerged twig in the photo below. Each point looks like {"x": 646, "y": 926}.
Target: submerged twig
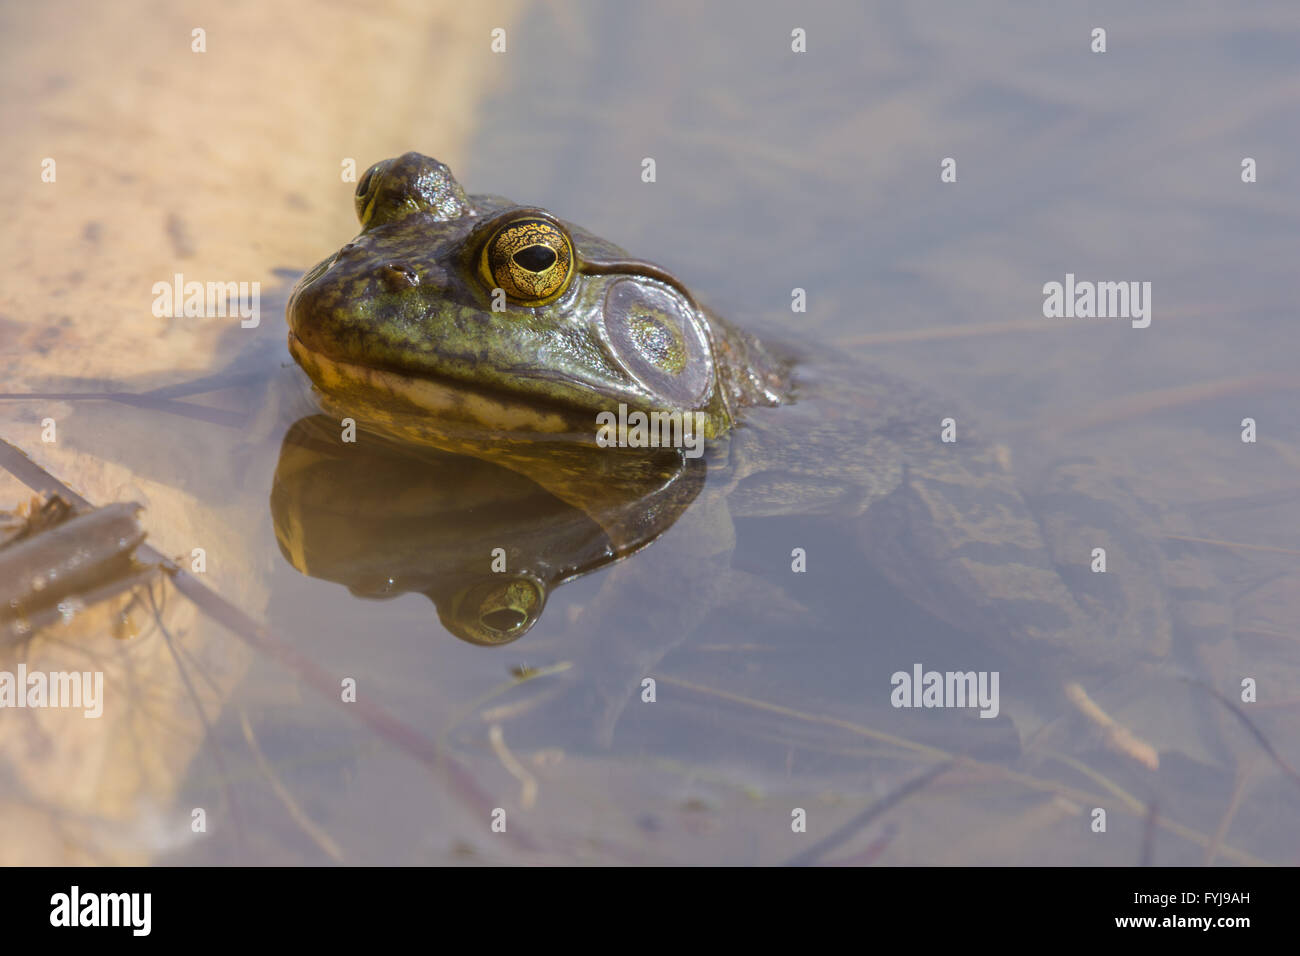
{"x": 1150, "y": 824}
{"x": 1233, "y": 545}
{"x": 1132, "y": 804}
{"x": 847, "y": 831}
{"x": 1118, "y": 737}
{"x": 1230, "y": 811}
{"x": 55, "y": 566}
{"x": 190, "y": 410}
{"x": 1250, "y": 725}
{"x": 527, "y": 782}
{"x": 209, "y": 737}
{"x": 305, "y": 823}
{"x": 243, "y": 626}
{"x": 1129, "y": 407}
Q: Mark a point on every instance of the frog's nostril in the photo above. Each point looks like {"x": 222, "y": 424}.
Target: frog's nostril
{"x": 397, "y": 276}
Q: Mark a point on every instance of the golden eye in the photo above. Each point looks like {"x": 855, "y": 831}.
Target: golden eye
{"x": 530, "y": 258}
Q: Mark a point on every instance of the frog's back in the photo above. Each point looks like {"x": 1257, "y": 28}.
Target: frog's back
{"x": 945, "y": 521}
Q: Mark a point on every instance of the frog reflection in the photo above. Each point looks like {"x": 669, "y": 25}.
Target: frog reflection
{"x": 485, "y": 543}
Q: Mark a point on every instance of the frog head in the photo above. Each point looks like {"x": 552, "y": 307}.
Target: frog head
{"x": 479, "y": 311}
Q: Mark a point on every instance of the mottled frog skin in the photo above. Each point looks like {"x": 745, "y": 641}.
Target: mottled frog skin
{"x": 463, "y": 312}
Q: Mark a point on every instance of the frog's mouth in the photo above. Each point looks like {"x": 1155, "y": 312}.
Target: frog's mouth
{"x": 401, "y": 402}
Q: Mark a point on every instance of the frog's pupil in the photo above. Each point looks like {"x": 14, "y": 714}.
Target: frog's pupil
{"x": 504, "y": 619}
{"x": 535, "y": 258}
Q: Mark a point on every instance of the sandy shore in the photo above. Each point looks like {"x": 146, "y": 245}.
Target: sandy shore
{"x": 223, "y": 166}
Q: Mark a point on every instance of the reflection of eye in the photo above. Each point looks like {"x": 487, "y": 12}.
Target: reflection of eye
{"x": 496, "y": 611}
{"x": 531, "y": 259}
{"x": 503, "y": 620}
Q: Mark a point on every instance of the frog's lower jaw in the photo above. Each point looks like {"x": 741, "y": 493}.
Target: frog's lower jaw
{"x": 423, "y": 407}
{"x": 390, "y": 400}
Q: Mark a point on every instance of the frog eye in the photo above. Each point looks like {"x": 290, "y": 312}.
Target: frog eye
{"x": 530, "y": 259}
{"x": 367, "y": 188}
{"x": 368, "y": 175}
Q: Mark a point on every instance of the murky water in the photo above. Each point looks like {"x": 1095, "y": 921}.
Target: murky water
{"x": 820, "y": 171}
{"x": 823, "y": 171}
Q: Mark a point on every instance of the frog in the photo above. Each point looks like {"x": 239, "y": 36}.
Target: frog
{"x": 476, "y": 323}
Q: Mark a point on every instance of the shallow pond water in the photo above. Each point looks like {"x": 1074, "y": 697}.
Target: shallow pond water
{"x": 820, "y": 171}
